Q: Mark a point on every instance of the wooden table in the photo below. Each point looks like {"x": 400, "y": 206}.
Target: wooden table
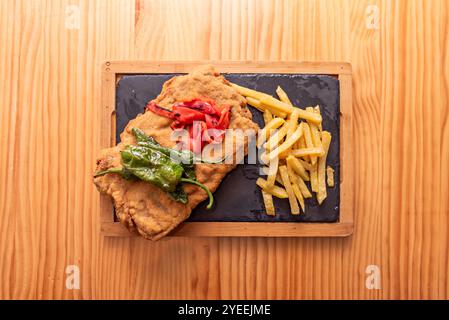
{"x": 50, "y": 58}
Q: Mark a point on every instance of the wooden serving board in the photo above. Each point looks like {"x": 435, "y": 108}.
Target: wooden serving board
{"x": 114, "y": 70}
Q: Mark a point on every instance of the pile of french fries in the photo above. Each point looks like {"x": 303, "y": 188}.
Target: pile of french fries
{"x": 295, "y": 148}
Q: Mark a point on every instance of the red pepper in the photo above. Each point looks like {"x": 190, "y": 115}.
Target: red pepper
{"x": 186, "y": 115}
{"x": 206, "y": 107}
{"x": 223, "y": 123}
{"x": 205, "y": 121}
{"x": 196, "y": 135}
{"x": 177, "y": 125}
{"x": 211, "y": 121}
{"x": 152, "y": 106}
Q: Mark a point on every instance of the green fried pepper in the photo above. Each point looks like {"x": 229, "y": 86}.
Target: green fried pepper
{"x": 150, "y": 162}
{"x": 152, "y": 166}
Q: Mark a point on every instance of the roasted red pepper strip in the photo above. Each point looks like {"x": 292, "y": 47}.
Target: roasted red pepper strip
{"x": 204, "y": 120}
{"x": 202, "y": 106}
{"x": 196, "y": 135}
{"x": 223, "y": 123}
{"x": 152, "y": 106}
{"x": 186, "y": 116}
{"x": 176, "y": 125}
{"x": 211, "y": 121}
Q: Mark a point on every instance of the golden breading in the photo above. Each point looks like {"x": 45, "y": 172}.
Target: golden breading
{"x": 145, "y": 208}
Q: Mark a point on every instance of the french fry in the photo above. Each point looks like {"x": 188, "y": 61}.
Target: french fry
{"x": 316, "y": 152}
{"x": 299, "y": 196}
{"x": 291, "y": 174}
{"x": 330, "y": 176}
{"x": 292, "y": 123}
{"x": 314, "y": 177}
{"x": 296, "y": 179}
{"x": 303, "y": 145}
{"x": 296, "y": 166}
{"x": 309, "y": 142}
{"x": 252, "y": 96}
{"x": 273, "y": 124}
{"x": 259, "y": 106}
{"x": 303, "y": 187}
{"x": 288, "y": 187}
{"x": 315, "y": 131}
{"x": 278, "y": 176}
{"x": 264, "y": 158}
{"x": 276, "y": 138}
{"x": 322, "y": 192}
{"x": 272, "y": 171}
{"x": 282, "y": 95}
{"x": 305, "y": 164}
{"x": 255, "y": 103}
{"x": 296, "y": 144}
{"x": 318, "y": 111}
{"x": 286, "y": 145}
{"x": 267, "y": 116}
{"x": 276, "y": 113}
{"x": 274, "y": 103}
{"x": 274, "y": 190}
{"x": 302, "y": 142}
{"x": 268, "y": 202}
{"x": 300, "y": 183}
{"x": 249, "y": 92}
{"x": 279, "y": 179}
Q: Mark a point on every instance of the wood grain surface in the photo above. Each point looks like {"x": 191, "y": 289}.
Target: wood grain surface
{"x": 49, "y": 98}
{"x": 112, "y": 71}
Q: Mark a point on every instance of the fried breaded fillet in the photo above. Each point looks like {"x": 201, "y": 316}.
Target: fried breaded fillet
{"x": 142, "y": 206}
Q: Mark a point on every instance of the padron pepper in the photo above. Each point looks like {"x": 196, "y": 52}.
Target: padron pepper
{"x": 150, "y": 162}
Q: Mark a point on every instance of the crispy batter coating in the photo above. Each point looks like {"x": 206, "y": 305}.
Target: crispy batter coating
{"x": 145, "y": 208}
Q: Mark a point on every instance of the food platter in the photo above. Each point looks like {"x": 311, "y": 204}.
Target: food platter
{"x": 241, "y": 216}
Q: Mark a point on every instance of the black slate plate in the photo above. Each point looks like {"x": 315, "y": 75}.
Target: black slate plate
{"x": 238, "y": 198}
